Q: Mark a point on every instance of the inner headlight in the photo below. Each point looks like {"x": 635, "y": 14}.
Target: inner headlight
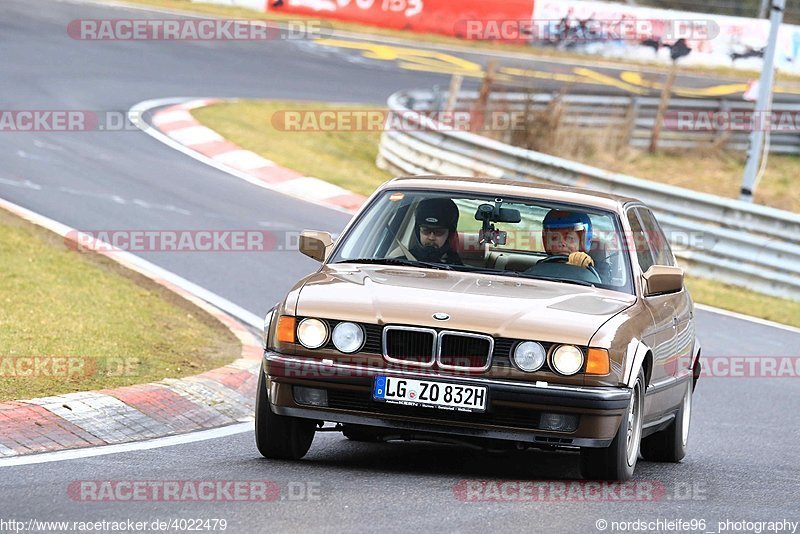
{"x": 567, "y": 359}
{"x": 529, "y": 356}
{"x": 312, "y": 333}
{"x": 348, "y": 337}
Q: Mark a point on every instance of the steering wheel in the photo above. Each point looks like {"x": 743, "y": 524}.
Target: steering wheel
{"x": 563, "y": 258}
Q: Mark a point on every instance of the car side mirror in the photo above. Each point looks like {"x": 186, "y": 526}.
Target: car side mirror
{"x": 315, "y": 244}
{"x": 662, "y": 279}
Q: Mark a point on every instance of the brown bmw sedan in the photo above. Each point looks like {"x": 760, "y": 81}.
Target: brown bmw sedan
{"x": 491, "y": 312}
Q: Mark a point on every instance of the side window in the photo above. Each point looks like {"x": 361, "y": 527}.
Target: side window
{"x": 641, "y": 246}
{"x": 659, "y": 246}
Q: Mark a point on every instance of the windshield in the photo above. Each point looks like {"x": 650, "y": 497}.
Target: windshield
{"x": 506, "y": 237}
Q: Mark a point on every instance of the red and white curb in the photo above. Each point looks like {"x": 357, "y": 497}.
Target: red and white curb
{"x": 173, "y": 123}
{"x": 216, "y": 398}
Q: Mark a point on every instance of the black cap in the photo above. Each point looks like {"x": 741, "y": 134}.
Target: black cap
{"x": 441, "y": 212}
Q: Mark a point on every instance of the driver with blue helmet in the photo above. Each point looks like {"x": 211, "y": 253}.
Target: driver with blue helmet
{"x": 568, "y": 233}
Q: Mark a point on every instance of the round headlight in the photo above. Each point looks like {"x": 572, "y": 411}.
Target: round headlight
{"x": 567, "y": 359}
{"x": 312, "y": 333}
{"x": 348, "y": 337}
{"x": 529, "y": 356}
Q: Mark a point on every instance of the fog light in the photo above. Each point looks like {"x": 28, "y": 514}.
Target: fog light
{"x": 558, "y": 422}
{"x": 310, "y": 396}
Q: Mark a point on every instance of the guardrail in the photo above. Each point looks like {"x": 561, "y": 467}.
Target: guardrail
{"x": 690, "y": 122}
{"x": 743, "y": 244}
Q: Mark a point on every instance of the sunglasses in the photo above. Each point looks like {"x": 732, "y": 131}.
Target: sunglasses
{"x": 436, "y": 231}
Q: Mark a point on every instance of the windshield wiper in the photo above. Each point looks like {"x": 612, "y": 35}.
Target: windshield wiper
{"x": 483, "y": 270}
{"x": 400, "y": 261}
{"x": 554, "y": 279}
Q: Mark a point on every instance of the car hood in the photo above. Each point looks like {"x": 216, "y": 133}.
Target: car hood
{"x": 495, "y": 305}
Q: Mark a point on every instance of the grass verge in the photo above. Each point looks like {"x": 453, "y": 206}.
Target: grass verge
{"x": 75, "y": 322}
{"x": 739, "y": 300}
{"x": 433, "y": 38}
{"x": 710, "y": 171}
{"x": 348, "y": 159}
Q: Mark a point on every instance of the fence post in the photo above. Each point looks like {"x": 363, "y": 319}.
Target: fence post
{"x": 662, "y": 107}
{"x": 630, "y": 120}
{"x": 722, "y": 134}
{"x": 452, "y": 93}
{"x": 482, "y": 104}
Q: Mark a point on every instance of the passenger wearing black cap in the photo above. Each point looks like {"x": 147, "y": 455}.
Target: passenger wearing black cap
{"x": 435, "y": 222}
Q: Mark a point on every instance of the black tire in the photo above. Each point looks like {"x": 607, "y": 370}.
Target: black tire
{"x": 669, "y": 445}
{"x": 278, "y": 436}
{"x": 360, "y": 433}
{"x": 618, "y": 460}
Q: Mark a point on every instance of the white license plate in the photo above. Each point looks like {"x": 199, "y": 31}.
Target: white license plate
{"x": 442, "y": 395}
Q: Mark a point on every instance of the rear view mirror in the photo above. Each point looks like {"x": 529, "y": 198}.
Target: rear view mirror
{"x": 315, "y": 244}
{"x": 494, "y": 213}
{"x": 662, "y": 279}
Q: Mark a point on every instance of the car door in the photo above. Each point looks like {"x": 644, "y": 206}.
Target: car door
{"x": 661, "y": 338}
{"x": 679, "y": 362}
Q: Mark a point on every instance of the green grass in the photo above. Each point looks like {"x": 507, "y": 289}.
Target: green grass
{"x": 715, "y": 172}
{"x": 433, "y": 38}
{"x": 117, "y": 327}
{"x": 739, "y": 300}
{"x": 348, "y": 159}
{"x": 344, "y": 158}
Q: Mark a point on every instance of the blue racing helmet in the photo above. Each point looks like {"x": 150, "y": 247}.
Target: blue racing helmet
{"x": 561, "y": 220}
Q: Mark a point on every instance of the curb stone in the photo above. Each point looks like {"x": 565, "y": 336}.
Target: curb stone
{"x": 177, "y": 122}
{"x": 170, "y": 406}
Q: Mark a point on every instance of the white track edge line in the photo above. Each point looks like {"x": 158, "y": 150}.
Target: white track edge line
{"x": 749, "y": 318}
{"x": 102, "y": 450}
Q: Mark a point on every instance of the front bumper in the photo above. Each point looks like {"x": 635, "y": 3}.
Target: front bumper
{"x": 513, "y": 411}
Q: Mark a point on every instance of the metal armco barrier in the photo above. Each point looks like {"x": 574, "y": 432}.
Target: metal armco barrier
{"x": 743, "y": 244}
{"x": 689, "y": 123}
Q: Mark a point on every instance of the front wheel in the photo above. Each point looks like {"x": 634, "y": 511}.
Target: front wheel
{"x": 279, "y": 436}
{"x": 618, "y": 460}
{"x": 669, "y": 445}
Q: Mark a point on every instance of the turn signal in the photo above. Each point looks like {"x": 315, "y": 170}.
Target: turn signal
{"x": 286, "y": 327}
{"x": 597, "y": 362}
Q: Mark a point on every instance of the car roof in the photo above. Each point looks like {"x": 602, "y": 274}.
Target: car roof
{"x": 501, "y": 187}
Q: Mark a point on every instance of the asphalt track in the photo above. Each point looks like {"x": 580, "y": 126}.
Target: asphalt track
{"x": 742, "y": 462}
